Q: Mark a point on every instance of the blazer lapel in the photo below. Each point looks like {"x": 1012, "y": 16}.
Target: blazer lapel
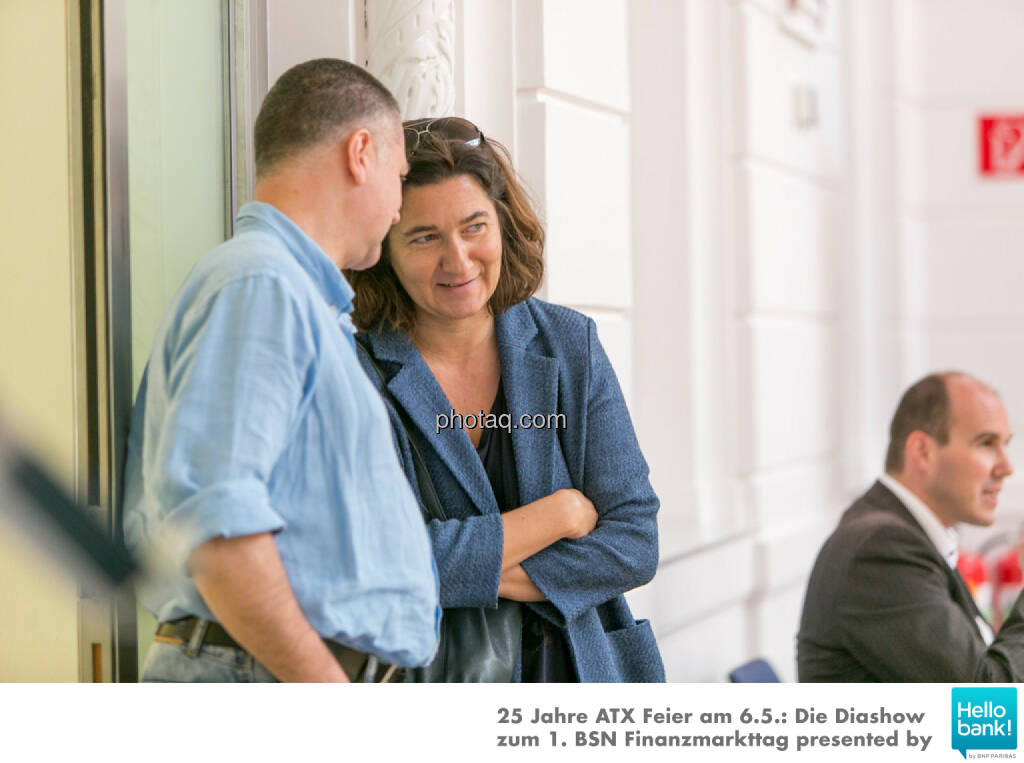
{"x": 531, "y": 387}
{"x": 417, "y": 391}
{"x": 966, "y": 601}
{"x": 882, "y": 497}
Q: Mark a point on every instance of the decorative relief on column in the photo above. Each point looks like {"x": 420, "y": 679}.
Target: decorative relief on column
{"x": 411, "y": 49}
{"x": 806, "y": 19}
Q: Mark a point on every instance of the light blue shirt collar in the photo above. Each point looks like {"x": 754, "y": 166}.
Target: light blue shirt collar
{"x": 323, "y": 271}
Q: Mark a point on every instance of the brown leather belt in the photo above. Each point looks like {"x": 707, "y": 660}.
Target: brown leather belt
{"x": 196, "y": 633}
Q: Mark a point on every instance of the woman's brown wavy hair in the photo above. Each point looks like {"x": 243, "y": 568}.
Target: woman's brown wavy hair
{"x": 380, "y": 298}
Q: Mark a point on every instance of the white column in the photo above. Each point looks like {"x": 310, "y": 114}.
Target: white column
{"x": 410, "y": 47}
{"x": 573, "y": 148}
{"x": 873, "y": 360}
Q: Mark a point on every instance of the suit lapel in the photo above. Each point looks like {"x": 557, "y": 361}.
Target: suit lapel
{"x": 531, "y": 387}
{"x": 966, "y": 601}
{"x": 417, "y": 391}
{"x": 883, "y": 498}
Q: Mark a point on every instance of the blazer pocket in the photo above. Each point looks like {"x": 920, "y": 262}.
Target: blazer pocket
{"x": 635, "y": 653}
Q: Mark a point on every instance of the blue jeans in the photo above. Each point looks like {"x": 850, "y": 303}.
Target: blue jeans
{"x": 168, "y": 663}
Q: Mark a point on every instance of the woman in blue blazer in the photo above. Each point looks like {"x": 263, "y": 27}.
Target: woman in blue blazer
{"x": 547, "y": 500}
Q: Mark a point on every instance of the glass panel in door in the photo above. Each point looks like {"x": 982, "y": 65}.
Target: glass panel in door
{"x": 177, "y": 163}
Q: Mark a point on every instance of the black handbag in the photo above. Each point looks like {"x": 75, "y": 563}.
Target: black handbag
{"x": 478, "y": 644}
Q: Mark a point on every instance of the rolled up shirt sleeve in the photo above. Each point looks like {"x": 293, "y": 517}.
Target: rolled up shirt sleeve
{"x": 236, "y": 369}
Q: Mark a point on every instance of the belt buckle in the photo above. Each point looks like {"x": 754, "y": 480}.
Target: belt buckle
{"x": 370, "y": 669}
{"x": 195, "y": 640}
{"x": 374, "y": 666}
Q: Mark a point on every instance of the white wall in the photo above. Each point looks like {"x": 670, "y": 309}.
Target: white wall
{"x": 961, "y": 235}
{"x": 791, "y": 187}
{"x": 739, "y": 239}
{"x": 572, "y": 146}
{"x": 299, "y": 30}
{"x": 872, "y": 341}
{"x": 852, "y": 256}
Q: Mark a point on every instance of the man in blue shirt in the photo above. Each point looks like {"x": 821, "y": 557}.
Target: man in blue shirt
{"x": 260, "y": 460}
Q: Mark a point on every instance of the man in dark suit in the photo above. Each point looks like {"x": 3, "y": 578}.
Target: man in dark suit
{"x": 885, "y": 602}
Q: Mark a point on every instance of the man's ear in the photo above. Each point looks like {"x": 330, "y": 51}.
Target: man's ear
{"x": 359, "y": 155}
{"x": 919, "y": 451}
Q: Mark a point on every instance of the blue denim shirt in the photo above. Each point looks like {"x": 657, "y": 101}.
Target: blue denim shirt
{"x": 254, "y": 415}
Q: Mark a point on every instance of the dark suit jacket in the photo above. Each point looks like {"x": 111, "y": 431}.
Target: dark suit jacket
{"x": 551, "y": 362}
{"x": 883, "y": 605}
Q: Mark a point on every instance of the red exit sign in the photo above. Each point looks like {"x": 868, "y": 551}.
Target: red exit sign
{"x": 1001, "y": 145}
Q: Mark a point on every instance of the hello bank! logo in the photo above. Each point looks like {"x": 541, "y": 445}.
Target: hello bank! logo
{"x": 984, "y": 719}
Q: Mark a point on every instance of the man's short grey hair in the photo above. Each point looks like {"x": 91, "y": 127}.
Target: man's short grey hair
{"x": 313, "y": 101}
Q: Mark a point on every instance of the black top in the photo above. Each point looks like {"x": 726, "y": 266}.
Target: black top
{"x": 545, "y": 653}
{"x": 499, "y": 460}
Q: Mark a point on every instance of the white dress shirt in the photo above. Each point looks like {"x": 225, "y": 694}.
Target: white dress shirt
{"x": 945, "y": 539}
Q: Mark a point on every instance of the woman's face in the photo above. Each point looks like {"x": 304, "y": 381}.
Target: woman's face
{"x": 446, "y": 248}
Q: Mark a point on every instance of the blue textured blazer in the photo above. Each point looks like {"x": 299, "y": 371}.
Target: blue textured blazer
{"x": 551, "y": 362}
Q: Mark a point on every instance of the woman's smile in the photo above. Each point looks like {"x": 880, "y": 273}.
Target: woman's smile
{"x": 458, "y": 287}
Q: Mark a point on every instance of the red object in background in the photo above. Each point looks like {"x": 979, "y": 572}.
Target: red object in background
{"x": 1001, "y": 145}
{"x": 1008, "y": 584}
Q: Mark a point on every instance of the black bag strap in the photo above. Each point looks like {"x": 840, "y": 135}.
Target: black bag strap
{"x": 427, "y": 492}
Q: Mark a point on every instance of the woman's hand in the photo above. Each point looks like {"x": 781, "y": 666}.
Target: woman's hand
{"x": 516, "y": 585}
{"x": 563, "y": 514}
{"x": 580, "y": 514}
{"x": 578, "y": 518}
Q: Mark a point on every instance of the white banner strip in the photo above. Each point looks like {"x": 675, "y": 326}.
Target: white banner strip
{"x": 154, "y": 723}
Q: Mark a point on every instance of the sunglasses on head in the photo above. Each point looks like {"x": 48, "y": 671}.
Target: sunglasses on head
{"x": 449, "y": 128}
